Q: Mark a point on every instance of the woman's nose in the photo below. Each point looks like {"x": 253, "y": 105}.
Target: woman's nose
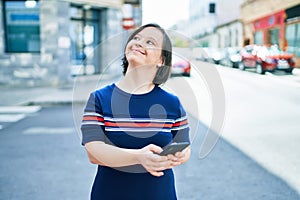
{"x": 139, "y": 43}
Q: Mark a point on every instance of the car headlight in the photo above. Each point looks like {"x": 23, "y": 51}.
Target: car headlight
{"x": 235, "y": 58}
{"x": 217, "y": 56}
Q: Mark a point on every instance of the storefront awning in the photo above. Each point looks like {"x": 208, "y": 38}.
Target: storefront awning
{"x": 99, "y": 3}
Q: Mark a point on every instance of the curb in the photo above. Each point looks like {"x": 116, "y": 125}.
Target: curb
{"x": 52, "y": 103}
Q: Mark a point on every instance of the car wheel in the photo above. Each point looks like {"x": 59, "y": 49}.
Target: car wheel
{"x": 241, "y": 66}
{"x": 289, "y": 70}
{"x": 235, "y": 64}
{"x": 186, "y": 74}
{"x": 259, "y": 69}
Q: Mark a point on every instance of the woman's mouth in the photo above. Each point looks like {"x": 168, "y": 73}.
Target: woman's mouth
{"x": 139, "y": 51}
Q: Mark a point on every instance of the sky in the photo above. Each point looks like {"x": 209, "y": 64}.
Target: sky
{"x": 165, "y": 12}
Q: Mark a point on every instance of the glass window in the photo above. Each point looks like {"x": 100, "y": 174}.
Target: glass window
{"x": 258, "y": 37}
{"x": 273, "y": 36}
{"x": 293, "y": 38}
{"x": 84, "y": 33}
{"x": 297, "y": 35}
{"x": 22, "y": 29}
{"x": 76, "y": 12}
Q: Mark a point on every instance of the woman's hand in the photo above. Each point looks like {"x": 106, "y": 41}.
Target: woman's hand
{"x": 148, "y": 157}
{"x": 180, "y": 157}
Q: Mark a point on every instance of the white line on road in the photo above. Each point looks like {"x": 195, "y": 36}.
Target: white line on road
{"x": 11, "y": 118}
{"x": 49, "y": 130}
{"x": 19, "y": 109}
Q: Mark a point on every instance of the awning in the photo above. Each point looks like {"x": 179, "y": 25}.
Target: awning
{"x": 99, "y": 3}
{"x": 293, "y": 13}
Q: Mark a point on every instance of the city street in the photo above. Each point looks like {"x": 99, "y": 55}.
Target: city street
{"x": 234, "y": 65}
{"x": 256, "y": 156}
{"x": 260, "y": 119}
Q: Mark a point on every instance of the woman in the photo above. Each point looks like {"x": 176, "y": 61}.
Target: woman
{"x": 126, "y": 124}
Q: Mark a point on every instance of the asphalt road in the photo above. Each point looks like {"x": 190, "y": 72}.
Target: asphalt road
{"x": 41, "y": 158}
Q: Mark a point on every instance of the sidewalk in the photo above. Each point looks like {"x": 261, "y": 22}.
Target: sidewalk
{"x": 76, "y": 91}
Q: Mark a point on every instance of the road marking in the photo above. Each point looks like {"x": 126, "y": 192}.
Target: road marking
{"x": 48, "y": 130}
{"x": 10, "y": 114}
{"x": 11, "y": 118}
{"x": 19, "y": 109}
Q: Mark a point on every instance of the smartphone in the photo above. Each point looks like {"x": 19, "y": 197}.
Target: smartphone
{"x": 173, "y": 148}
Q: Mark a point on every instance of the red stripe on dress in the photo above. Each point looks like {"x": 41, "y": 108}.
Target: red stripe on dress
{"x": 177, "y": 124}
{"x": 135, "y": 124}
{"x": 93, "y": 118}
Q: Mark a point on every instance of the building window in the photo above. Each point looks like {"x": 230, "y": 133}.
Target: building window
{"x": 22, "y": 27}
{"x": 273, "y": 36}
{"x": 258, "y": 37}
{"x": 212, "y": 8}
{"x": 84, "y": 32}
{"x": 293, "y": 38}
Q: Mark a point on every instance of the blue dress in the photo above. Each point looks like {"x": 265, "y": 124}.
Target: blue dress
{"x": 133, "y": 121}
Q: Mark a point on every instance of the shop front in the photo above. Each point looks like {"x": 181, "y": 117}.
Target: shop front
{"x": 41, "y": 40}
{"x": 270, "y": 30}
{"x": 293, "y": 32}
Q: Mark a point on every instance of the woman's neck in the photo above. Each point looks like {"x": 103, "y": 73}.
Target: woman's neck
{"x": 137, "y": 81}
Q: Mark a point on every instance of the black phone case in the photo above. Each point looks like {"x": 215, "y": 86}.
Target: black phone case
{"x": 173, "y": 148}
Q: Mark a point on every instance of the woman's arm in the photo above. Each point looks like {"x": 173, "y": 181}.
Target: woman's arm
{"x": 108, "y": 155}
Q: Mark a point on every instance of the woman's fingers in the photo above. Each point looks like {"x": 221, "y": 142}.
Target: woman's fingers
{"x": 158, "y": 174}
{"x": 155, "y": 149}
{"x": 156, "y": 164}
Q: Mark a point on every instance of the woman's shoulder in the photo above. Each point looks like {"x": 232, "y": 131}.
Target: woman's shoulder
{"x": 104, "y": 90}
{"x": 167, "y": 95}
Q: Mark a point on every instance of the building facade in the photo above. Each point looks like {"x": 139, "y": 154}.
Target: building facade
{"x": 273, "y": 22}
{"x": 45, "y": 41}
{"x": 212, "y": 22}
{"x": 230, "y": 34}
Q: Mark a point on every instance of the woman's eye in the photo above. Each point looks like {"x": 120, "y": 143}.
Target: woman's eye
{"x": 136, "y": 38}
{"x": 150, "y": 42}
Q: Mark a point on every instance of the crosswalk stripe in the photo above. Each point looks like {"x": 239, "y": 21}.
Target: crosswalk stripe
{"x": 19, "y": 109}
{"x": 11, "y": 118}
{"x": 48, "y": 130}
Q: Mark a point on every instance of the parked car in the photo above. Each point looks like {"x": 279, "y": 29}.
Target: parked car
{"x": 212, "y": 55}
{"x": 263, "y": 58}
{"x": 232, "y": 57}
{"x": 180, "y": 66}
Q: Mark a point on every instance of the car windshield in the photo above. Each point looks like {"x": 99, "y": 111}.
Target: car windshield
{"x": 269, "y": 51}
{"x": 274, "y": 50}
{"x": 233, "y": 50}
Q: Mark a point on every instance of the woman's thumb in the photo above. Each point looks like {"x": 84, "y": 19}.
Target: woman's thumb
{"x": 155, "y": 148}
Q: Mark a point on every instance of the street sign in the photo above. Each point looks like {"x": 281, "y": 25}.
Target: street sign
{"x": 127, "y": 23}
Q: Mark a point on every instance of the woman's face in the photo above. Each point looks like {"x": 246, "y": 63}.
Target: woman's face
{"x": 145, "y": 48}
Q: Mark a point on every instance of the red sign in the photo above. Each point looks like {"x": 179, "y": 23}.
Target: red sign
{"x": 270, "y": 21}
{"x": 127, "y": 23}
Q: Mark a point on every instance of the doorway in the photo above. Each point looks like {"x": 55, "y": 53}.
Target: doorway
{"x": 273, "y": 36}
{"x": 85, "y": 35}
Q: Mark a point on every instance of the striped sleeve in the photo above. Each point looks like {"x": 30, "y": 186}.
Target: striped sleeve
{"x": 92, "y": 126}
{"x": 180, "y": 129}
